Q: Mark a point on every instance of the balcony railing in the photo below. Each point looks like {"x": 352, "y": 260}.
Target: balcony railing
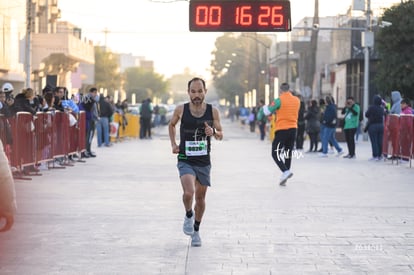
{"x": 75, "y": 49}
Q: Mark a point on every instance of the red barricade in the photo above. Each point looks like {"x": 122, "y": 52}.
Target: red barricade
{"x": 391, "y": 141}
{"x": 44, "y": 134}
{"x": 60, "y": 143}
{"x": 6, "y": 135}
{"x": 406, "y": 136}
{"x": 73, "y": 146}
{"x": 24, "y": 140}
{"x": 385, "y": 138}
{"x": 82, "y": 131}
{"x": 394, "y": 128}
{"x": 412, "y": 141}
{"x": 13, "y": 152}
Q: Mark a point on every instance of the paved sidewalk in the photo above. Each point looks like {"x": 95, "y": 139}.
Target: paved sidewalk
{"x": 121, "y": 213}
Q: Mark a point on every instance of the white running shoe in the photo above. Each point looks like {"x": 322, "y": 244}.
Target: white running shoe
{"x": 285, "y": 176}
{"x": 188, "y": 226}
{"x": 195, "y": 239}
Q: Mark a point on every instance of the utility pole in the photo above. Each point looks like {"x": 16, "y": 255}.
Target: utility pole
{"x": 313, "y": 50}
{"x": 106, "y": 31}
{"x": 28, "y": 45}
{"x": 368, "y": 41}
{"x": 287, "y": 57}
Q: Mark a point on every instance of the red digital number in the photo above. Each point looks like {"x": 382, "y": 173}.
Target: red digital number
{"x": 277, "y": 17}
{"x": 270, "y": 16}
{"x": 243, "y": 16}
{"x": 240, "y": 15}
{"x": 208, "y": 16}
{"x": 264, "y": 15}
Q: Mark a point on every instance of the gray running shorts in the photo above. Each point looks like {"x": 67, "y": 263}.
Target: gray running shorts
{"x": 202, "y": 173}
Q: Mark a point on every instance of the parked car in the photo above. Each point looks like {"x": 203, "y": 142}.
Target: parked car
{"x": 134, "y": 108}
{"x": 166, "y": 112}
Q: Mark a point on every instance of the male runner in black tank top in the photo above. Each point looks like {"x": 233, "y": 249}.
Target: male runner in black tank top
{"x": 199, "y": 122}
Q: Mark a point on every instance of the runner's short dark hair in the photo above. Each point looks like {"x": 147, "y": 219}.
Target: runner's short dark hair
{"x": 196, "y": 79}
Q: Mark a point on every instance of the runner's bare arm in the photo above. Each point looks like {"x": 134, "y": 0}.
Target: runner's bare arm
{"x": 217, "y": 125}
{"x": 171, "y": 128}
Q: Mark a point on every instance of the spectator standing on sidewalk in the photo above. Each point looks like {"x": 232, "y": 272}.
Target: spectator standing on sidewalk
{"x": 262, "y": 121}
{"x": 322, "y": 107}
{"x": 329, "y": 122}
{"x": 22, "y": 101}
{"x": 89, "y": 103}
{"x": 5, "y": 126}
{"x": 375, "y": 127}
{"x": 351, "y": 112}
{"x": 405, "y": 107}
{"x": 102, "y": 125}
{"x": 7, "y": 104}
{"x": 300, "y": 136}
{"x": 286, "y": 108}
{"x": 68, "y": 104}
{"x": 146, "y": 116}
{"x": 396, "y": 103}
{"x": 313, "y": 125}
{"x": 199, "y": 122}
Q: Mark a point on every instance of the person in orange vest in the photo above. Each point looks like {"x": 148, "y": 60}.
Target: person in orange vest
{"x": 286, "y": 108}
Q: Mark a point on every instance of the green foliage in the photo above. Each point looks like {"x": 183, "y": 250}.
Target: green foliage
{"x": 238, "y": 63}
{"x": 395, "y": 45}
{"x": 145, "y": 84}
{"x": 106, "y": 70}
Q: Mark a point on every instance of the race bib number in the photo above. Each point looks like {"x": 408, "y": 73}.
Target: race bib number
{"x": 196, "y": 148}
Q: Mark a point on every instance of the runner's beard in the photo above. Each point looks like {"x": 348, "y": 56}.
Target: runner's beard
{"x": 197, "y": 101}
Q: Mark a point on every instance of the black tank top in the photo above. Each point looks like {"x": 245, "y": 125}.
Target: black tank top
{"x": 194, "y": 144}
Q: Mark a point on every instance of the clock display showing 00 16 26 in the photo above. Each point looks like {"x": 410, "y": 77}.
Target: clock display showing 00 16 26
{"x": 240, "y": 16}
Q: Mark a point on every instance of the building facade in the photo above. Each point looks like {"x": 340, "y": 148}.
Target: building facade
{"x": 37, "y": 49}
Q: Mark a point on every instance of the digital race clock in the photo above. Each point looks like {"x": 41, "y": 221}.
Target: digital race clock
{"x": 240, "y": 16}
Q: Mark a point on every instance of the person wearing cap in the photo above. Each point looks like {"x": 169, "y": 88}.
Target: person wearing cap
{"x": 8, "y": 89}
{"x": 286, "y": 108}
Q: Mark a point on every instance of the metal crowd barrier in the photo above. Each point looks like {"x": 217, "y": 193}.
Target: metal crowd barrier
{"x": 44, "y": 135}
{"x": 60, "y": 144}
{"x": 42, "y": 138}
{"x": 6, "y": 135}
{"x": 398, "y": 138}
{"x": 24, "y": 147}
{"x": 406, "y": 136}
{"x": 82, "y": 131}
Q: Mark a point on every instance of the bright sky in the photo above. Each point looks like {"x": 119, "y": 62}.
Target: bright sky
{"x": 158, "y": 29}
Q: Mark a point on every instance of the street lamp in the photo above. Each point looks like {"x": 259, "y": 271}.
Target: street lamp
{"x": 266, "y": 72}
{"x": 250, "y": 83}
{"x": 367, "y": 39}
